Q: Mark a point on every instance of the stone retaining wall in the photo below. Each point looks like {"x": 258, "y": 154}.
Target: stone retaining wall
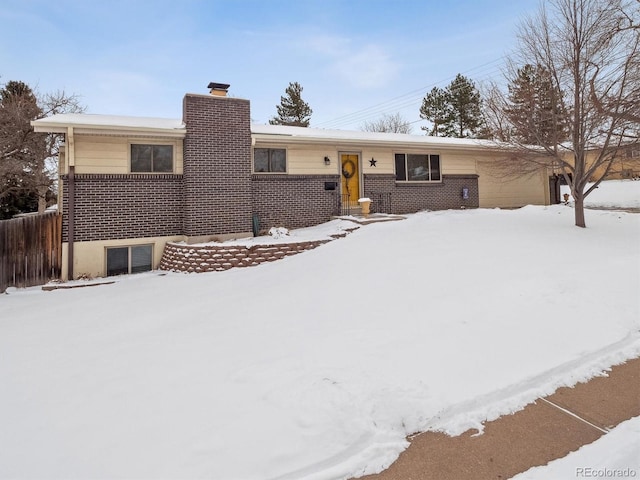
{"x": 179, "y": 257}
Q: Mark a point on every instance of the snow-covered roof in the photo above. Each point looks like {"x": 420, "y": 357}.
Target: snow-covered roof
{"x": 313, "y": 135}
{"x": 82, "y": 122}
{"x": 90, "y": 123}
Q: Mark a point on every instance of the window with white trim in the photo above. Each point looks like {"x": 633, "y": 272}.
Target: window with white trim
{"x": 151, "y": 158}
{"x": 417, "y": 167}
{"x": 269, "y": 160}
{"x": 130, "y": 259}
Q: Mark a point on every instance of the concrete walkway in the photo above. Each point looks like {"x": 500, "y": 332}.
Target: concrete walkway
{"x": 543, "y": 431}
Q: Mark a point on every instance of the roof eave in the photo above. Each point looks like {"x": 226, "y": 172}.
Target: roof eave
{"x": 87, "y": 129}
{"x": 293, "y": 139}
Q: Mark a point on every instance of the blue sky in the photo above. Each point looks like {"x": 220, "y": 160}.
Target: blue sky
{"x": 355, "y": 59}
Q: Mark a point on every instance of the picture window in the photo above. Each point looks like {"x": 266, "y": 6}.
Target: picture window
{"x": 412, "y": 167}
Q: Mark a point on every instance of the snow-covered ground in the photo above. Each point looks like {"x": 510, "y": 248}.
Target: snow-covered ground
{"x": 612, "y": 193}
{"x": 316, "y": 366}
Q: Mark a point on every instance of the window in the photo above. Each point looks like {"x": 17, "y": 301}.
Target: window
{"x": 272, "y": 160}
{"x": 411, "y": 167}
{"x": 135, "y": 259}
{"x": 151, "y": 158}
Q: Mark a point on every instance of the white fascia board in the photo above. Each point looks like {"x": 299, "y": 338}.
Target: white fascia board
{"x": 110, "y": 125}
{"x": 130, "y": 131}
{"x": 272, "y": 134}
{"x": 80, "y": 129}
{"x": 359, "y": 142}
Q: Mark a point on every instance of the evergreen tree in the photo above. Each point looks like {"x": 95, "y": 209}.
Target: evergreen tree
{"x": 19, "y": 197}
{"x": 21, "y": 150}
{"x": 535, "y": 108}
{"x": 464, "y": 98}
{"x": 454, "y": 111}
{"x": 18, "y": 106}
{"x": 437, "y": 110}
{"x": 292, "y": 110}
{"x": 26, "y": 157}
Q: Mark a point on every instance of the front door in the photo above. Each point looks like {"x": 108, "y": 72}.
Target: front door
{"x": 350, "y": 177}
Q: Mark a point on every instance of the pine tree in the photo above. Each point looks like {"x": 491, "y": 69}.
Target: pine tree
{"x": 22, "y": 152}
{"x": 26, "y": 156}
{"x": 535, "y": 108}
{"x": 292, "y": 110}
{"x": 437, "y": 110}
{"x": 464, "y": 98}
{"x": 454, "y": 111}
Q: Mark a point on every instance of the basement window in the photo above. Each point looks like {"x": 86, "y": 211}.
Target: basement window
{"x": 412, "y": 167}
{"x": 151, "y": 158}
{"x": 269, "y": 160}
{"x": 131, "y": 259}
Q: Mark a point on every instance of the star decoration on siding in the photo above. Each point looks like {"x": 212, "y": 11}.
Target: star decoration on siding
{"x": 373, "y": 162}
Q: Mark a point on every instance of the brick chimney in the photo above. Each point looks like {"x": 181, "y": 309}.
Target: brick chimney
{"x": 218, "y": 89}
{"x": 217, "y": 165}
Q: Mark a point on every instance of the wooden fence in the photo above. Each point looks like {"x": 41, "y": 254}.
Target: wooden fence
{"x": 30, "y": 250}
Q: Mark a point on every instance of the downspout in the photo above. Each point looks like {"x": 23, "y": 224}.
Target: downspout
{"x": 71, "y": 160}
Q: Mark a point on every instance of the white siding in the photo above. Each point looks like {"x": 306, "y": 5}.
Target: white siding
{"x": 508, "y": 192}
{"x": 104, "y": 154}
{"x": 309, "y": 159}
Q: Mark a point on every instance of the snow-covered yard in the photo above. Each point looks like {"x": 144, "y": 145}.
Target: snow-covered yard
{"x": 614, "y": 193}
{"x": 316, "y": 366}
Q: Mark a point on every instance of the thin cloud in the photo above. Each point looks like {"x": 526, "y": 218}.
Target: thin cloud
{"x": 370, "y": 67}
{"x": 360, "y": 66}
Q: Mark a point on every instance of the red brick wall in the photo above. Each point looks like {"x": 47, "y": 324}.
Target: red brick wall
{"x": 217, "y": 193}
{"x": 117, "y": 206}
{"x": 293, "y": 201}
{"x": 411, "y": 198}
{"x": 217, "y": 165}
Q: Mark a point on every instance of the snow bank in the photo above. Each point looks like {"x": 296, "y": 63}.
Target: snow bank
{"x": 613, "y": 193}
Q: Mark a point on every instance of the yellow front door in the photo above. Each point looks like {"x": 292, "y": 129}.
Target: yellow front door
{"x": 350, "y": 177}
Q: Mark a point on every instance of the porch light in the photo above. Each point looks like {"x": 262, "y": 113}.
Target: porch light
{"x": 327, "y": 161}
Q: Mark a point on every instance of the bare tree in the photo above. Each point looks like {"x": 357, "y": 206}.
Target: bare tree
{"x": 628, "y": 20}
{"x": 497, "y": 126}
{"x": 53, "y": 104}
{"x": 389, "y": 122}
{"x": 590, "y": 53}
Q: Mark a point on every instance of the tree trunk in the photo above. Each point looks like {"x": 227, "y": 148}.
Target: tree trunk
{"x": 579, "y": 210}
{"x": 42, "y": 198}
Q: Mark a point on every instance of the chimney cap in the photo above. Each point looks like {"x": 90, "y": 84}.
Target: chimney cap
{"x": 218, "y": 86}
